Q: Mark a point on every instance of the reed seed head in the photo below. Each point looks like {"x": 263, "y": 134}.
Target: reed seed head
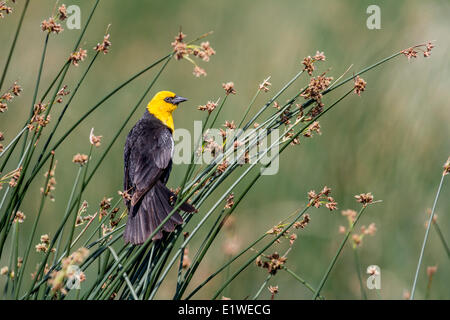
{"x": 229, "y": 88}
{"x": 51, "y": 26}
{"x": 62, "y": 13}
{"x": 78, "y": 56}
{"x": 431, "y": 270}
{"x": 446, "y": 167}
{"x": 19, "y": 217}
{"x": 364, "y": 198}
{"x": 209, "y": 106}
{"x": 104, "y": 46}
{"x": 360, "y": 85}
{"x": 80, "y": 159}
{"x": 94, "y": 140}
{"x": 264, "y": 86}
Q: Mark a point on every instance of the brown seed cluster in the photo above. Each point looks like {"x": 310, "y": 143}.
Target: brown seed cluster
{"x": 264, "y": 86}
{"x": 413, "y": 51}
{"x": 222, "y": 167}
{"x": 446, "y": 167}
{"x": 276, "y": 230}
{"x": 81, "y": 159}
{"x": 4, "y": 9}
{"x": 44, "y": 245}
{"x": 51, "y": 26}
{"x": 82, "y": 210}
{"x": 230, "y": 125}
{"x": 302, "y": 224}
{"x": 358, "y": 238}
{"x": 95, "y": 140}
{"x": 364, "y": 198}
{"x": 308, "y": 62}
{"x": 229, "y": 201}
{"x": 58, "y": 278}
{"x": 78, "y": 56}
{"x": 273, "y": 291}
{"x": 104, "y": 46}
{"x": 360, "y": 85}
{"x": 182, "y": 50}
{"x": 272, "y": 263}
{"x": 39, "y": 119}
{"x": 62, "y": 12}
{"x": 281, "y": 229}
{"x": 322, "y": 198}
{"x": 105, "y": 205}
{"x": 186, "y": 260}
{"x": 229, "y": 88}
{"x": 314, "y": 127}
{"x": 314, "y": 91}
{"x": 51, "y": 183}
{"x": 19, "y": 217}
{"x": 5, "y": 98}
{"x": 12, "y": 176}
{"x": 209, "y": 106}
{"x": 62, "y": 93}
{"x": 199, "y": 71}
{"x": 125, "y": 195}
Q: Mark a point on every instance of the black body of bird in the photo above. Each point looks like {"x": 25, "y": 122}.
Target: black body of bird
{"x": 147, "y": 164}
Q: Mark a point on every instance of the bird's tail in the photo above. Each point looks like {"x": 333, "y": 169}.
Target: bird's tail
{"x": 150, "y": 211}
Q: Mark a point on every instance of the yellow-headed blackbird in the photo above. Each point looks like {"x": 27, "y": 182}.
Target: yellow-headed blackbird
{"x": 147, "y": 163}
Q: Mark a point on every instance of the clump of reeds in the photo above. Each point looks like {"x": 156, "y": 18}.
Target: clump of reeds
{"x": 86, "y": 244}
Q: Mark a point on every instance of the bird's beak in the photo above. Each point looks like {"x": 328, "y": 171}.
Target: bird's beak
{"x": 177, "y": 99}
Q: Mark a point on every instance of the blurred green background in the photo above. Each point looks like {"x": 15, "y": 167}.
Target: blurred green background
{"x": 392, "y": 141}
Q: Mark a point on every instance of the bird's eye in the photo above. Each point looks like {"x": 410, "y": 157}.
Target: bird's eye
{"x": 168, "y": 99}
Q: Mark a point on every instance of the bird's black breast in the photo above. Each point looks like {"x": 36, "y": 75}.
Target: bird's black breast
{"x": 147, "y": 153}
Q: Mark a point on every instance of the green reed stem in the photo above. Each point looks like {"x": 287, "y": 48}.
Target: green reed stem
{"x": 333, "y": 261}
{"x": 72, "y": 193}
{"x": 249, "y": 107}
{"x": 87, "y": 180}
{"x": 358, "y": 273}
{"x": 66, "y": 107}
{"x": 35, "y": 224}
{"x": 218, "y": 111}
{"x": 260, "y": 290}
{"x": 124, "y": 275}
{"x": 13, "y": 141}
{"x": 225, "y": 266}
{"x": 36, "y": 88}
{"x": 37, "y": 168}
{"x": 259, "y": 252}
{"x": 442, "y": 238}
{"x": 13, "y": 45}
{"x": 301, "y": 280}
{"x": 237, "y": 181}
{"x": 430, "y": 221}
{"x": 78, "y": 202}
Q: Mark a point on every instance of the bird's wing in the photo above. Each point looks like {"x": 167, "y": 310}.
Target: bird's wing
{"x": 151, "y": 155}
{"x": 126, "y": 161}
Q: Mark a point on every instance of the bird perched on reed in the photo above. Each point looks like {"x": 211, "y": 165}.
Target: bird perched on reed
{"x": 147, "y": 164}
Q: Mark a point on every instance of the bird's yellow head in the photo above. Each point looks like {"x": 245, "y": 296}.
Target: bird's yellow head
{"x": 162, "y": 105}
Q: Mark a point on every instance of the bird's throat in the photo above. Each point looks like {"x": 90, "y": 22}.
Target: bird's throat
{"x": 162, "y": 115}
